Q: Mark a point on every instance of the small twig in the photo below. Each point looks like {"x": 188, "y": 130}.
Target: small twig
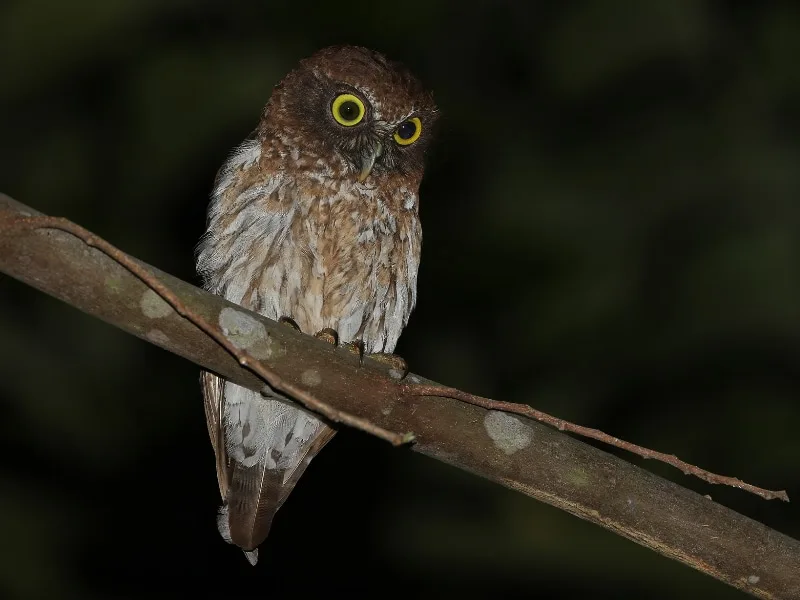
{"x": 266, "y": 374}
{"x": 595, "y": 434}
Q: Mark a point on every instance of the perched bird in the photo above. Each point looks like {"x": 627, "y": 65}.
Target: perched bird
{"x": 313, "y": 219}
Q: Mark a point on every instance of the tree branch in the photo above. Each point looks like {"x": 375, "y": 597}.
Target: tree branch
{"x": 417, "y": 389}
{"x": 514, "y": 451}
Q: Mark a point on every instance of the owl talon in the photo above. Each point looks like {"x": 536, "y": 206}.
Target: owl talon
{"x": 290, "y": 322}
{"x": 398, "y": 367}
{"x": 328, "y": 335}
{"x": 357, "y": 347}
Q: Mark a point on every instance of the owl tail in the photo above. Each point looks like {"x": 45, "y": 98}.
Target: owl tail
{"x": 225, "y": 531}
{"x": 255, "y": 494}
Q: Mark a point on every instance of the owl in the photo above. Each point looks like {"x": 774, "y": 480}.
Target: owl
{"x": 313, "y": 220}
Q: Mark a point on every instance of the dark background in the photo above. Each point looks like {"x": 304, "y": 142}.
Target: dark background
{"x": 611, "y": 233}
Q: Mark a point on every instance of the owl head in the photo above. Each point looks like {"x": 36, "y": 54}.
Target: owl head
{"x": 349, "y": 104}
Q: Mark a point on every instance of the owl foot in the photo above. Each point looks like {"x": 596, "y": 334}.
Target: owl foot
{"x": 290, "y": 322}
{"x": 398, "y": 367}
{"x": 328, "y": 335}
{"x": 357, "y": 348}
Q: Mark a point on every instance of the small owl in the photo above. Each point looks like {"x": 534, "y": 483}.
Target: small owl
{"x": 313, "y": 219}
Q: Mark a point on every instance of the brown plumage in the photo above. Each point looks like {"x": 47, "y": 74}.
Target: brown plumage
{"x": 315, "y": 217}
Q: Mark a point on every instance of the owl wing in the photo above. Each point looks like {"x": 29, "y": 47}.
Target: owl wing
{"x": 213, "y": 387}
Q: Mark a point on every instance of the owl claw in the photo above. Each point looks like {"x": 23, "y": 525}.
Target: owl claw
{"x": 398, "y": 367}
{"x": 290, "y": 322}
{"x": 357, "y": 347}
{"x": 328, "y": 335}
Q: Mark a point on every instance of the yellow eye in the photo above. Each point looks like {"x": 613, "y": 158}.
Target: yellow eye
{"x": 408, "y": 132}
{"x": 348, "y": 110}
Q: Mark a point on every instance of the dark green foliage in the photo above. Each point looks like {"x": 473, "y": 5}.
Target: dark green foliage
{"x": 612, "y": 222}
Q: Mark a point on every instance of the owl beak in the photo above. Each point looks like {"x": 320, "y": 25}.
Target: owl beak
{"x": 368, "y": 161}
